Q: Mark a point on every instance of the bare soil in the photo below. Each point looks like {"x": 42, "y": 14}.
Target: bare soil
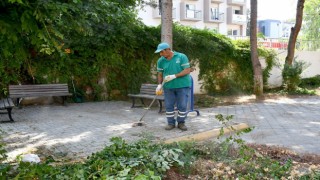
{"x": 302, "y": 163}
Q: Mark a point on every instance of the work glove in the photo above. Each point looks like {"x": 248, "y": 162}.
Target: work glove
{"x": 159, "y": 90}
{"x": 169, "y": 78}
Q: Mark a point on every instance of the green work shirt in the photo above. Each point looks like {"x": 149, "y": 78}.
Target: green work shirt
{"x": 178, "y": 63}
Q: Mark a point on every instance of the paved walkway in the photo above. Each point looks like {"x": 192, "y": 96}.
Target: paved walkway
{"x": 292, "y": 123}
{"x": 78, "y": 130}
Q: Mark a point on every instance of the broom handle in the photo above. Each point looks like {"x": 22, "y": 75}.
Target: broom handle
{"x": 155, "y": 97}
{"x": 145, "y": 112}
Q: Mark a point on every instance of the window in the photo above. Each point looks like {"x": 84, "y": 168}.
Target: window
{"x": 191, "y": 7}
{"x": 233, "y": 32}
{"x": 214, "y": 14}
{"x": 237, "y": 12}
{"x": 191, "y": 10}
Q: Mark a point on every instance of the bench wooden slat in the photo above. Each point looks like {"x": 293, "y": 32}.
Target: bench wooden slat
{"x": 147, "y": 92}
{"x": 7, "y": 104}
{"x": 22, "y": 95}
{"x": 39, "y": 85}
{"x": 10, "y": 102}
{"x": 18, "y": 91}
{"x": 2, "y": 106}
{"x": 146, "y": 96}
{"x": 38, "y": 90}
{"x": 148, "y": 89}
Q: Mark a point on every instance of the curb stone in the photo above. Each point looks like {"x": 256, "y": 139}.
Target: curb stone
{"x": 208, "y": 134}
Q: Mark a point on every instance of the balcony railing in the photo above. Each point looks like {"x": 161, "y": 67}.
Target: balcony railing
{"x": 216, "y": 17}
{"x": 236, "y": 16}
{"x": 217, "y": 1}
{"x": 188, "y": 12}
{"x": 193, "y": 14}
{"x": 239, "y": 19}
{"x": 237, "y": 2}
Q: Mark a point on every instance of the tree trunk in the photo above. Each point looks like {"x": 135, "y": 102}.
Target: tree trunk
{"x": 166, "y": 21}
{"x": 294, "y": 33}
{"x": 257, "y": 71}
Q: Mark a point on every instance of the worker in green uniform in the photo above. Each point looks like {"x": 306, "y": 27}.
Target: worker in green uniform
{"x": 174, "y": 70}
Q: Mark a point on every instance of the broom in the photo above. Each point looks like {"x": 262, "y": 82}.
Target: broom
{"x": 140, "y": 123}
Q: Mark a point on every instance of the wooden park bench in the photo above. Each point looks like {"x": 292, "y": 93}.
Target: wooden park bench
{"x": 147, "y": 91}
{"x": 7, "y": 104}
{"x": 38, "y": 90}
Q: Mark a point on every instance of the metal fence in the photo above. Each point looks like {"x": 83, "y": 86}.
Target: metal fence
{"x": 282, "y": 44}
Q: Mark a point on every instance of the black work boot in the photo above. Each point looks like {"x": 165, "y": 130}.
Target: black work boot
{"x": 182, "y": 126}
{"x": 169, "y": 127}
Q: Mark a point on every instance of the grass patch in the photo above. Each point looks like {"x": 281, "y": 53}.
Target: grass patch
{"x": 298, "y": 91}
{"x": 312, "y": 82}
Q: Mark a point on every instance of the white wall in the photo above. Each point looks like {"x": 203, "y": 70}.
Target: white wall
{"x": 196, "y": 82}
{"x": 275, "y": 80}
{"x": 312, "y": 58}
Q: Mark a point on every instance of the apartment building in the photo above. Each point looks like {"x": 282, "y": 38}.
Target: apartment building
{"x": 227, "y": 17}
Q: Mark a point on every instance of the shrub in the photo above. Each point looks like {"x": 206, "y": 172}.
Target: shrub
{"x": 291, "y": 75}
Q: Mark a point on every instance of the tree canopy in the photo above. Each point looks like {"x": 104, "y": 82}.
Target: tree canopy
{"x": 311, "y": 19}
{"x": 44, "y": 37}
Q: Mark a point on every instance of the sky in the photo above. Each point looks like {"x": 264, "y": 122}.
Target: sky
{"x": 276, "y": 9}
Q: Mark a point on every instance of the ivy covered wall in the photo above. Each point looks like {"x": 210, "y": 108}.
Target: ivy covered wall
{"x": 99, "y": 47}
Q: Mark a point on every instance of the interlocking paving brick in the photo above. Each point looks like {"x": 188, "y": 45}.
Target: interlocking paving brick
{"x": 78, "y": 130}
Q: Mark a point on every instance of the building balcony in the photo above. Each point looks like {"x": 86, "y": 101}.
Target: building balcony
{"x": 189, "y": 14}
{"x": 214, "y": 17}
{"x": 211, "y": 12}
{"x": 237, "y": 2}
{"x": 236, "y": 18}
{"x": 216, "y": 1}
{"x": 157, "y": 14}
